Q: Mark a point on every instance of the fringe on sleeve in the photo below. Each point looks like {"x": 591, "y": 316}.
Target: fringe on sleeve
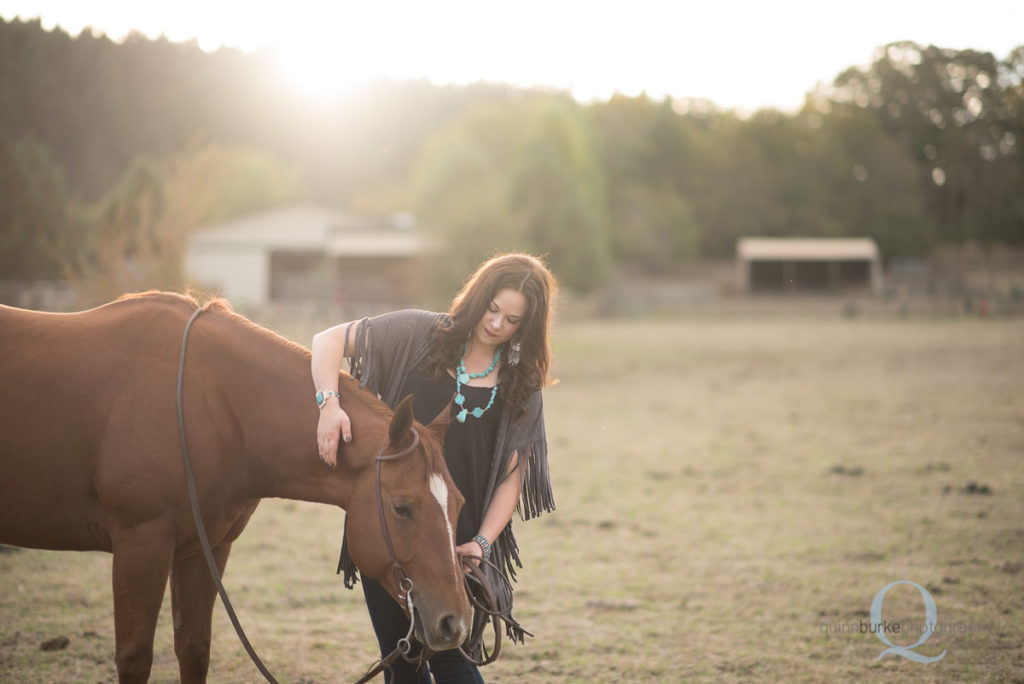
{"x": 536, "y": 496}
{"x": 506, "y": 557}
{"x": 360, "y": 367}
{"x": 360, "y": 364}
{"x": 346, "y": 568}
{"x": 528, "y": 439}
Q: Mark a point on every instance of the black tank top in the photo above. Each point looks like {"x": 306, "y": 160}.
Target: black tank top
{"x": 468, "y": 446}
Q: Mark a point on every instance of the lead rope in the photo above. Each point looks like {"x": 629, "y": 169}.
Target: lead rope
{"x": 197, "y": 516}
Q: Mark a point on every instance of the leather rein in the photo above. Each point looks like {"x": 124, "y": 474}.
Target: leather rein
{"x": 476, "y": 581}
{"x": 197, "y": 516}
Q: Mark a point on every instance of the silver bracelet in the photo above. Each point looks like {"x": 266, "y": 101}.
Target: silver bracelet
{"x": 485, "y": 545}
{"x": 323, "y": 395}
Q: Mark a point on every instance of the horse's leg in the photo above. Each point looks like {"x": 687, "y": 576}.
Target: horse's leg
{"x": 192, "y": 597}
{"x": 142, "y": 561}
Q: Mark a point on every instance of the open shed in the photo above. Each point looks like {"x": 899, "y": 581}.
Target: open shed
{"x": 808, "y": 265}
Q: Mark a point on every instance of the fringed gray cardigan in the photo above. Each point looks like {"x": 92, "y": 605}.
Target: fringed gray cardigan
{"x": 387, "y": 348}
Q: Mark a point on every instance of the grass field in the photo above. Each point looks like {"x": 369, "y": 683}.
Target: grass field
{"x": 733, "y": 493}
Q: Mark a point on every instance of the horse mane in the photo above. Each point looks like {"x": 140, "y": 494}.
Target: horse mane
{"x": 213, "y": 303}
{"x": 221, "y": 306}
{"x": 224, "y": 308}
{"x": 189, "y": 297}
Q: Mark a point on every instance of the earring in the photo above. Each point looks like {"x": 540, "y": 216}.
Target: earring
{"x": 513, "y": 354}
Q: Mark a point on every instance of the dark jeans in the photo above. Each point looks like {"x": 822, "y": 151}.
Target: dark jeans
{"x": 391, "y": 624}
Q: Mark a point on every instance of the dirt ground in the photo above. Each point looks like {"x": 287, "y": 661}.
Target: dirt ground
{"x": 733, "y": 492}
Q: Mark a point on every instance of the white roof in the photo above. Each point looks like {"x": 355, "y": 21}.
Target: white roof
{"x": 805, "y": 249}
{"x": 308, "y": 228}
{"x": 367, "y": 245}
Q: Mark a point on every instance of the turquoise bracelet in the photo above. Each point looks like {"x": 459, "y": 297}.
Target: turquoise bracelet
{"x": 485, "y": 545}
{"x": 321, "y": 397}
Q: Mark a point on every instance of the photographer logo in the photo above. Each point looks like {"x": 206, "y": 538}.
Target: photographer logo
{"x": 880, "y": 627}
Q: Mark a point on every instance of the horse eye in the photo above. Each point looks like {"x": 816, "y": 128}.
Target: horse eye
{"x": 402, "y": 509}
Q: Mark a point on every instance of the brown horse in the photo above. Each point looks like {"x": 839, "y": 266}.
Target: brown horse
{"x": 90, "y": 460}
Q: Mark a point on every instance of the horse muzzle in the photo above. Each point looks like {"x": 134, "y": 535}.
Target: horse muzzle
{"x": 440, "y": 632}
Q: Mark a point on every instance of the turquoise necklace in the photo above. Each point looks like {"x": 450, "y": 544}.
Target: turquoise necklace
{"x": 462, "y": 378}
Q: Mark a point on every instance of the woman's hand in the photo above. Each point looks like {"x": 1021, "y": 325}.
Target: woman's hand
{"x": 333, "y": 424}
{"x": 329, "y": 348}
{"x": 471, "y": 549}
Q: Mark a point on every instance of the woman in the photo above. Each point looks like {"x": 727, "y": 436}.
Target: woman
{"x": 491, "y": 353}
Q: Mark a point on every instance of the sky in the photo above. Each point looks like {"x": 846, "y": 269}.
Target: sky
{"x": 740, "y": 54}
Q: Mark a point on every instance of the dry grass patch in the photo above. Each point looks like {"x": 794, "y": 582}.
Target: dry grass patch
{"x": 727, "y": 490}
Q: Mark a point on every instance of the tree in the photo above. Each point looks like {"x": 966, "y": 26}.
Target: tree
{"x": 558, "y": 187}
{"x": 518, "y": 176}
{"x": 867, "y": 184}
{"x": 956, "y": 113}
{"x": 461, "y": 182}
{"x": 647, "y": 152}
{"x": 136, "y": 236}
{"x": 36, "y": 229}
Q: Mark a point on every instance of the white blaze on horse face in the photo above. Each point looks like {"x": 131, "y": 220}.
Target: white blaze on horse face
{"x": 440, "y": 491}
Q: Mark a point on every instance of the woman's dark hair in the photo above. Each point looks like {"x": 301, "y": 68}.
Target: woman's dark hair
{"x": 520, "y": 272}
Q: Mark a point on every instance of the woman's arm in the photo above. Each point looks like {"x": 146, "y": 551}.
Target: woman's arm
{"x": 499, "y": 512}
{"x": 328, "y": 351}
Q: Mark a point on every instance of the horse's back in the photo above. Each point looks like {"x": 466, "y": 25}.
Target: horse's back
{"x": 85, "y": 396}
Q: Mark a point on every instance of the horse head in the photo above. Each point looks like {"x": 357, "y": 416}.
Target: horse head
{"x": 401, "y": 524}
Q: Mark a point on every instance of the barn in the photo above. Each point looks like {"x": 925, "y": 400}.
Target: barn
{"x": 305, "y": 254}
{"x": 808, "y": 265}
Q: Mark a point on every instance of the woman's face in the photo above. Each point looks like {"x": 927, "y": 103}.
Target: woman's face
{"x": 502, "y": 318}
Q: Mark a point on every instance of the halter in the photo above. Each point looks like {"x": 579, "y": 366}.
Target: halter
{"x": 402, "y": 580}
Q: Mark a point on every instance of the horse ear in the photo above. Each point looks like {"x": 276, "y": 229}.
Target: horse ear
{"x": 401, "y": 422}
{"x": 439, "y": 425}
